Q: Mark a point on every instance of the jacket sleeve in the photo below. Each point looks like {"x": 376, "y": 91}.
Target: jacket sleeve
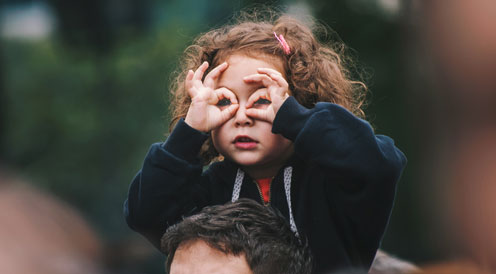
{"x": 361, "y": 168}
{"x": 169, "y": 186}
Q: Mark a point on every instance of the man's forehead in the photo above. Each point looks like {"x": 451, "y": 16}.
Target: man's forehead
{"x": 197, "y": 257}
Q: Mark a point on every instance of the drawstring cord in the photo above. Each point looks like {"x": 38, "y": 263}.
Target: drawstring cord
{"x": 288, "y": 171}
{"x": 240, "y": 175}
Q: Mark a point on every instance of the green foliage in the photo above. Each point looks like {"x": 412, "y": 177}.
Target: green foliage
{"x": 79, "y": 124}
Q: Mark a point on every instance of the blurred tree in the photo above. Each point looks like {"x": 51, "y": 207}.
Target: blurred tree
{"x": 96, "y": 24}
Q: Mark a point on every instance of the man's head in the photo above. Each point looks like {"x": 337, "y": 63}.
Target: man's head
{"x": 243, "y": 236}
{"x": 41, "y": 234}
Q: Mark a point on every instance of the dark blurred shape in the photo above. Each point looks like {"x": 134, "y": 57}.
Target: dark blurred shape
{"x": 40, "y": 234}
{"x": 132, "y": 255}
{"x": 3, "y": 110}
{"x": 96, "y": 23}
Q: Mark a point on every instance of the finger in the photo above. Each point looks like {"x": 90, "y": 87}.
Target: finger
{"x": 228, "y": 113}
{"x": 214, "y": 74}
{"x": 261, "y": 93}
{"x": 220, "y": 94}
{"x": 260, "y": 114}
{"x": 263, "y": 79}
{"x": 200, "y": 71}
{"x": 268, "y": 71}
{"x": 188, "y": 83}
{"x": 274, "y": 75}
{"x": 226, "y": 93}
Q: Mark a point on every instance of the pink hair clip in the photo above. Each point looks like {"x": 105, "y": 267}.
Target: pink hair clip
{"x": 283, "y": 43}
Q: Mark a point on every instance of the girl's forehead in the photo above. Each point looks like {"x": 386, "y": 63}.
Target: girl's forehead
{"x": 240, "y": 66}
{"x": 256, "y": 60}
{"x": 256, "y": 57}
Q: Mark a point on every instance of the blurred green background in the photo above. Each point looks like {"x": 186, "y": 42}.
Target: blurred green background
{"x": 83, "y": 94}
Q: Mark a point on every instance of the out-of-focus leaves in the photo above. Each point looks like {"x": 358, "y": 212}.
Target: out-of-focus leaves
{"x": 80, "y": 124}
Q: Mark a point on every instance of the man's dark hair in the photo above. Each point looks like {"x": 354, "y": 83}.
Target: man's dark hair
{"x": 244, "y": 227}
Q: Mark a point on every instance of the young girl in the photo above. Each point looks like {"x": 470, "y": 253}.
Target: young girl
{"x": 275, "y": 114}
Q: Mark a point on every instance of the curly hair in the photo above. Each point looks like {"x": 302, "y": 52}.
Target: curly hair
{"x": 244, "y": 227}
{"x": 316, "y": 71}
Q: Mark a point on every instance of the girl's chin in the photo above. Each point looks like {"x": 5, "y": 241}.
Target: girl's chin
{"x": 246, "y": 158}
{"x": 247, "y": 163}
{"x": 254, "y": 164}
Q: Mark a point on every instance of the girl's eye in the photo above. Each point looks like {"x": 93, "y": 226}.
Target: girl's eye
{"x": 263, "y": 101}
{"x": 224, "y": 102}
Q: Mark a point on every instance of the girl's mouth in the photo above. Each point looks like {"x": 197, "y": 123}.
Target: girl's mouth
{"x": 244, "y": 142}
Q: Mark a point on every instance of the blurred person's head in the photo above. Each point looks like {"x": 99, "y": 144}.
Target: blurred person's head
{"x": 40, "y": 234}
{"x": 462, "y": 41}
{"x": 385, "y": 263}
{"x": 472, "y": 202}
{"x": 239, "y": 237}
{"x": 455, "y": 267}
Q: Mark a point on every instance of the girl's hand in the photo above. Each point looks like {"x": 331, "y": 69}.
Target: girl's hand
{"x": 209, "y": 107}
{"x": 265, "y": 103}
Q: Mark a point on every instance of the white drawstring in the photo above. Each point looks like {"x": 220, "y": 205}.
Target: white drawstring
{"x": 240, "y": 175}
{"x": 288, "y": 171}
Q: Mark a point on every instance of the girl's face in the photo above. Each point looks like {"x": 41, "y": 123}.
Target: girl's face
{"x": 242, "y": 139}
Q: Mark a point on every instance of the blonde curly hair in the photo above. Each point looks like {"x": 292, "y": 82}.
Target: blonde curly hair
{"x": 315, "y": 71}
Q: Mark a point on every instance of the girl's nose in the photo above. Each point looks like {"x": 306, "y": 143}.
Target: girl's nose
{"x": 241, "y": 119}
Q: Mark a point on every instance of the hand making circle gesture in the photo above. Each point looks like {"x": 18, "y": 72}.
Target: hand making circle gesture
{"x": 204, "y": 114}
{"x": 276, "y": 91}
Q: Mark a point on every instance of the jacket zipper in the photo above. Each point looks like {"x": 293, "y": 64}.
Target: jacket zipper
{"x": 260, "y": 191}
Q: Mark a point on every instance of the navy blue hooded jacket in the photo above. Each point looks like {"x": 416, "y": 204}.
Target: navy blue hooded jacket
{"x": 342, "y": 188}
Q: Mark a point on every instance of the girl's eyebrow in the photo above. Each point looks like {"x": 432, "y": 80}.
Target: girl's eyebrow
{"x": 223, "y": 86}
{"x": 256, "y": 87}
{"x": 253, "y": 87}
{"x": 232, "y": 90}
